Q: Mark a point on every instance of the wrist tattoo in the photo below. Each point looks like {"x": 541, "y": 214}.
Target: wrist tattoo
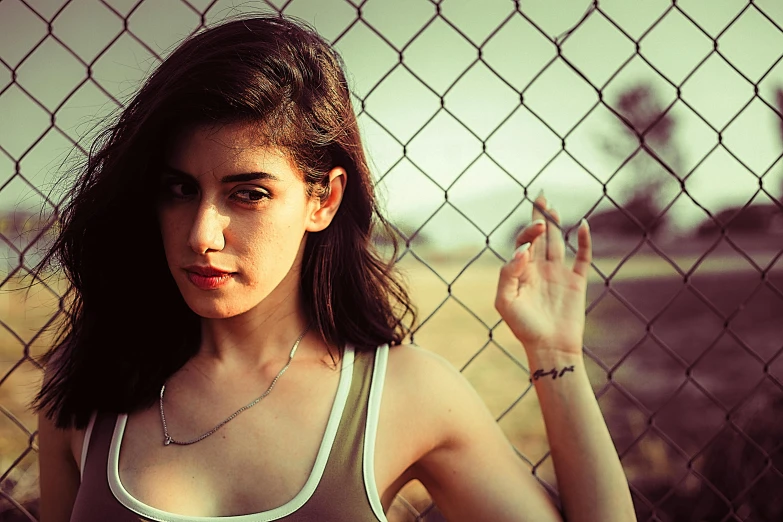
{"x": 553, "y": 372}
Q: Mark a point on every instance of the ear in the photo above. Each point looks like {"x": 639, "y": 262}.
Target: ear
{"x": 322, "y": 212}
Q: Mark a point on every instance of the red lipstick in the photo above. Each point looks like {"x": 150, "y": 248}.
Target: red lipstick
{"x": 207, "y": 277}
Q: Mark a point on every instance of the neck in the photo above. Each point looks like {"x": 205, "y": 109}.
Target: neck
{"x": 260, "y": 337}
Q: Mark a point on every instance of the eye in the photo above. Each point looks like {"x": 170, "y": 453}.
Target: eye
{"x": 177, "y": 188}
{"x": 183, "y": 189}
{"x": 252, "y": 196}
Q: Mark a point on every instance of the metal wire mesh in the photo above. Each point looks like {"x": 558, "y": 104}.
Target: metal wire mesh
{"x": 684, "y": 331}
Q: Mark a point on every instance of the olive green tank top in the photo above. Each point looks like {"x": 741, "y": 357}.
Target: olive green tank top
{"x": 341, "y": 486}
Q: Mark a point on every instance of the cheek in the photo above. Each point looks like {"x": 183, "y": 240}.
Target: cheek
{"x": 282, "y": 225}
{"x": 270, "y": 246}
{"x": 166, "y": 226}
{"x": 268, "y": 242}
{"x": 173, "y": 229}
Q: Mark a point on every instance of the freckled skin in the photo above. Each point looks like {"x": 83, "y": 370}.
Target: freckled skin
{"x": 233, "y": 226}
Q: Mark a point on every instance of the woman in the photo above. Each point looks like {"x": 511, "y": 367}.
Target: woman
{"x": 226, "y": 355}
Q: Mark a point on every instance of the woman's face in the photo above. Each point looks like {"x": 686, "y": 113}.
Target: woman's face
{"x": 233, "y": 217}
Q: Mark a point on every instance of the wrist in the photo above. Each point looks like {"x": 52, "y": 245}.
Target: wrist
{"x": 548, "y": 359}
{"x": 557, "y": 370}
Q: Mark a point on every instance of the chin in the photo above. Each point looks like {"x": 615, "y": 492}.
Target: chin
{"x": 215, "y": 310}
{"x": 233, "y": 299}
{"x": 219, "y": 305}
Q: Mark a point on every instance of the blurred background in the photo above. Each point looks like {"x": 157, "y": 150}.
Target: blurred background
{"x": 660, "y": 122}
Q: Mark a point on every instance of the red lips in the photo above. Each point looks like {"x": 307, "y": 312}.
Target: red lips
{"x": 207, "y": 271}
{"x": 207, "y": 277}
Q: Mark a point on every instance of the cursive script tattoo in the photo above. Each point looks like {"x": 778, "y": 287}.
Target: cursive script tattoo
{"x": 553, "y": 372}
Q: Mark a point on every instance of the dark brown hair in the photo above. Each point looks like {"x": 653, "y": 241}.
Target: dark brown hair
{"x": 127, "y": 327}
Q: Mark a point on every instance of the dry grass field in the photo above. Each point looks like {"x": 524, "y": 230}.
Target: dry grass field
{"x": 672, "y": 384}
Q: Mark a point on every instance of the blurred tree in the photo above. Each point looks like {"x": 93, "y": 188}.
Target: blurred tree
{"x": 760, "y": 218}
{"x": 646, "y": 123}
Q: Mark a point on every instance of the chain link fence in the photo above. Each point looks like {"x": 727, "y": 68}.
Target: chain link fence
{"x": 659, "y": 121}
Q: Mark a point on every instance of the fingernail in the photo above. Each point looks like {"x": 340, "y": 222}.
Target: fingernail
{"x": 536, "y": 222}
{"x": 584, "y": 223}
{"x": 521, "y": 250}
{"x": 540, "y": 194}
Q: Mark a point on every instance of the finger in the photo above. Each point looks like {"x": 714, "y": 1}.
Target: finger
{"x": 538, "y": 248}
{"x": 584, "y": 255}
{"x": 530, "y": 232}
{"x": 539, "y": 204}
{"x": 554, "y": 238}
{"x": 510, "y": 274}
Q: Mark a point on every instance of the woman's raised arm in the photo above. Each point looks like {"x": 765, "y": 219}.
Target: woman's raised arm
{"x": 543, "y": 302}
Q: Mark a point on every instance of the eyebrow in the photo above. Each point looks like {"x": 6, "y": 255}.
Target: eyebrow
{"x": 231, "y": 178}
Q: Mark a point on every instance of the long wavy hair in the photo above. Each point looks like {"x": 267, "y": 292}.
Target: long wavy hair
{"x": 127, "y": 327}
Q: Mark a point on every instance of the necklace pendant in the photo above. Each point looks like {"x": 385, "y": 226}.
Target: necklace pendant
{"x": 167, "y": 441}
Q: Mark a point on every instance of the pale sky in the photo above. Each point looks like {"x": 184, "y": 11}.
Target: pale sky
{"x": 396, "y": 108}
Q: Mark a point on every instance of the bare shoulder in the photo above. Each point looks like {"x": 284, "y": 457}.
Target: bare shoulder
{"x": 463, "y": 458}
{"x": 59, "y": 470}
{"x": 441, "y": 395}
{"x": 414, "y": 371}
{"x": 414, "y": 361}
{"x": 425, "y": 407}
{"x": 76, "y": 442}
{"x": 67, "y": 441}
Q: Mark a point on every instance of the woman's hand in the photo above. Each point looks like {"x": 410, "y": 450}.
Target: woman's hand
{"x": 541, "y": 299}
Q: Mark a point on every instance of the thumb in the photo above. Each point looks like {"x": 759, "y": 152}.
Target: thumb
{"x": 508, "y": 285}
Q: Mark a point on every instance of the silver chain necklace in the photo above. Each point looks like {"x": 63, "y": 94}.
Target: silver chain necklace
{"x": 167, "y": 439}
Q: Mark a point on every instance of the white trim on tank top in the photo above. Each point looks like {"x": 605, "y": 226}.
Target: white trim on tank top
{"x": 299, "y": 500}
{"x": 371, "y": 430}
{"x": 86, "y": 444}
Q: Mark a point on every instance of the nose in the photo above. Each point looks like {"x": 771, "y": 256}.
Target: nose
{"x": 208, "y": 231}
